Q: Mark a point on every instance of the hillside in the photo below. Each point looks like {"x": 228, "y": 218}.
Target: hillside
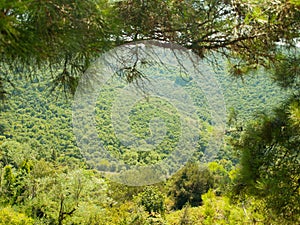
{"x": 42, "y": 120}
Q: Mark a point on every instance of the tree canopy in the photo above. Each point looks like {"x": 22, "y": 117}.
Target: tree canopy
{"x": 65, "y": 35}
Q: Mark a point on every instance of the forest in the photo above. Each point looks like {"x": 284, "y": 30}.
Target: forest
{"x": 53, "y": 172}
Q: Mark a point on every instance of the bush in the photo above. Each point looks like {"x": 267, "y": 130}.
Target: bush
{"x": 10, "y": 217}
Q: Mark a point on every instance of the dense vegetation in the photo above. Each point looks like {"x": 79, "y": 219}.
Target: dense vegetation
{"x": 47, "y": 45}
{"x": 45, "y": 176}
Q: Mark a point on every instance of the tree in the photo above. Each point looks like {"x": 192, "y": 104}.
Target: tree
{"x": 189, "y": 184}
{"x": 65, "y": 35}
{"x": 269, "y": 149}
{"x": 15, "y": 153}
{"x": 60, "y": 35}
{"x": 7, "y": 184}
{"x": 152, "y": 200}
{"x": 55, "y": 195}
{"x": 246, "y": 30}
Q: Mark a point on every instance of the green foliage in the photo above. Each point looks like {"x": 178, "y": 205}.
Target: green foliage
{"x": 15, "y": 153}
{"x": 60, "y": 32}
{"x": 37, "y": 126}
{"x": 294, "y": 114}
{"x": 8, "y": 191}
{"x": 269, "y": 150}
{"x": 127, "y": 214}
{"x": 220, "y": 176}
{"x": 11, "y": 217}
{"x": 55, "y": 41}
{"x": 152, "y": 200}
{"x": 66, "y": 195}
{"x": 270, "y": 163}
{"x": 189, "y": 184}
{"x": 287, "y": 72}
{"x": 66, "y": 36}
{"x": 46, "y": 132}
{"x": 139, "y": 116}
{"x": 54, "y": 194}
{"x": 217, "y": 210}
{"x": 40, "y": 146}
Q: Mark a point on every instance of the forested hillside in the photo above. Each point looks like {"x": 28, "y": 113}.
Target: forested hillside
{"x": 53, "y": 172}
{"x": 40, "y": 158}
{"x": 40, "y": 118}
